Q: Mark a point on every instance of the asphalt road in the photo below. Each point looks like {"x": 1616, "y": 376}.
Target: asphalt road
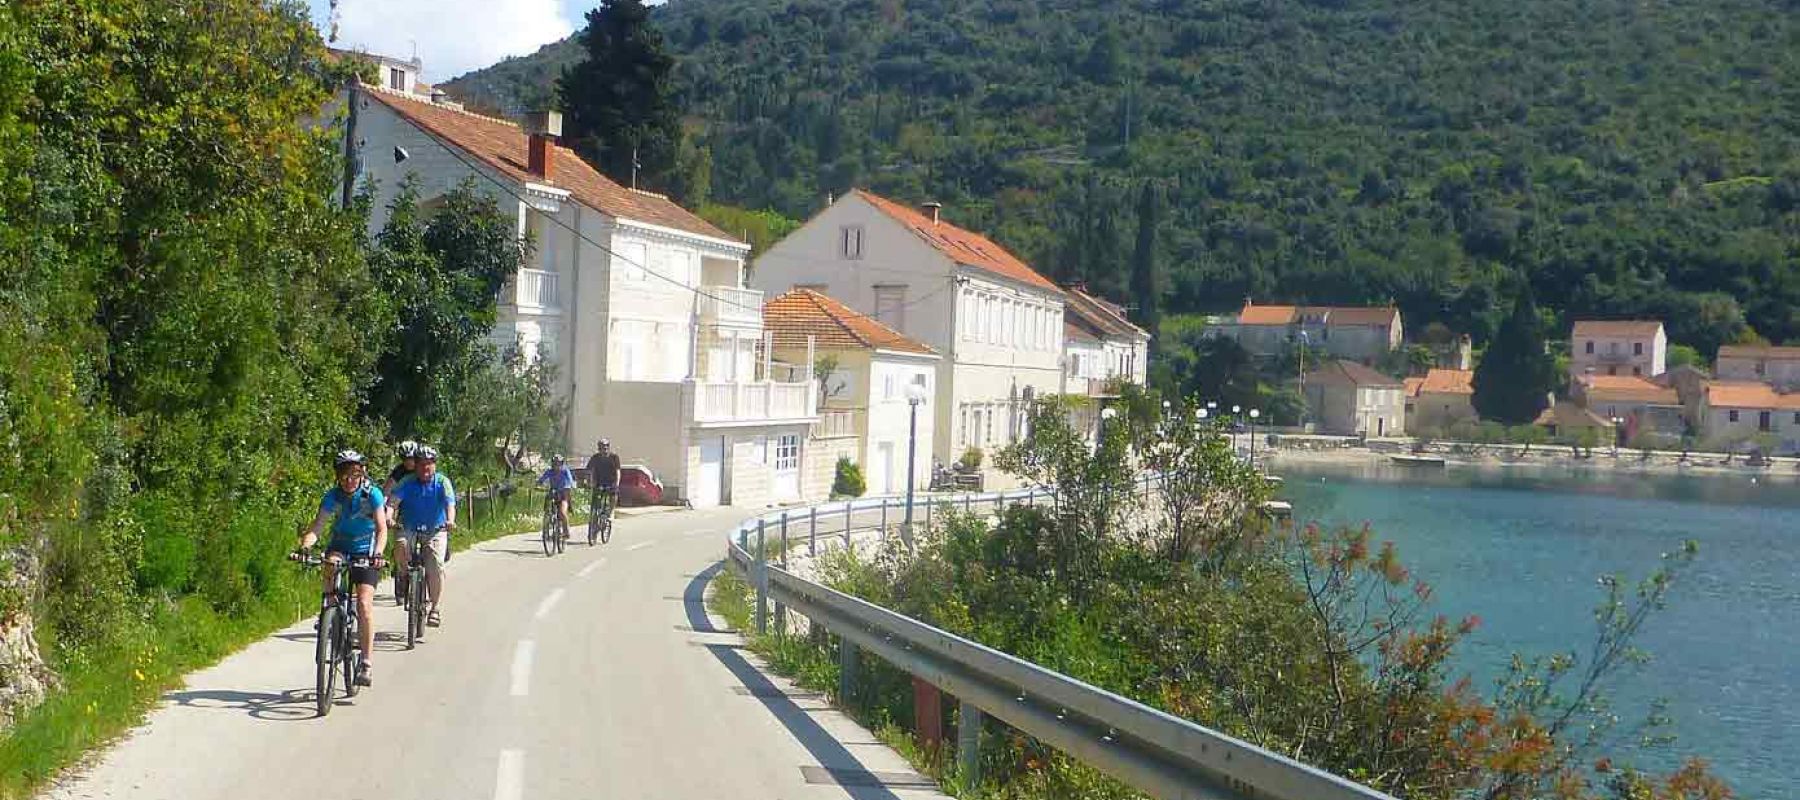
{"x": 595, "y": 674}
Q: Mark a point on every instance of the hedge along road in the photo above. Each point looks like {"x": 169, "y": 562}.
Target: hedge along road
{"x": 593, "y": 674}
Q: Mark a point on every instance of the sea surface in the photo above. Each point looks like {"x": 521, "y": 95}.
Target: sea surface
{"x": 1525, "y": 551}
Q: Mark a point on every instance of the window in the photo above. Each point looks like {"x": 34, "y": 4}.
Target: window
{"x": 787, "y": 452}
{"x": 1762, "y": 420}
{"x": 396, "y": 79}
{"x": 1637, "y": 348}
{"x": 1612, "y": 348}
{"x": 1590, "y": 347}
{"x": 633, "y": 256}
{"x": 987, "y": 431}
{"x": 890, "y": 306}
{"x": 993, "y": 319}
{"x": 851, "y": 241}
{"x": 1637, "y": 370}
{"x": 1759, "y": 368}
{"x": 887, "y": 387}
{"x": 1797, "y": 418}
{"x": 1733, "y": 415}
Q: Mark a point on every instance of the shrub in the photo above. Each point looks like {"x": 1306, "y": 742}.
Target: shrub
{"x": 849, "y": 481}
{"x": 971, "y": 458}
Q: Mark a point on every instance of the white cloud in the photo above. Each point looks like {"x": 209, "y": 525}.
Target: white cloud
{"x": 451, "y": 36}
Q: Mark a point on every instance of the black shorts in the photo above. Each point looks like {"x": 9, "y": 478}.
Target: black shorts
{"x": 360, "y": 576}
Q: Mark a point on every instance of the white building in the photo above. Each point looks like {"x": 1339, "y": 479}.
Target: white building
{"x": 1617, "y": 347}
{"x": 1101, "y": 347}
{"x": 865, "y": 395}
{"x": 1349, "y": 399}
{"x": 644, "y": 311}
{"x": 998, "y": 323}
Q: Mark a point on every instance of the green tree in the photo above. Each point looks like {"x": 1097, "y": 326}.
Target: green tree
{"x": 1515, "y": 377}
{"x": 619, "y": 99}
{"x": 442, "y": 275}
{"x": 1146, "y": 277}
{"x": 848, "y": 481}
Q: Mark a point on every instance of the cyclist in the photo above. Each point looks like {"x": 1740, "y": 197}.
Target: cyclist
{"x": 359, "y": 529}
{"x": 426, "y": 499}
{"x": 409, "y": 463}
{"x": 603, "y": 475}
{"x": 561, "y": 482}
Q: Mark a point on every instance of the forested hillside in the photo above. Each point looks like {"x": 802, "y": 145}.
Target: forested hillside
{"x": 1630, "y": 157}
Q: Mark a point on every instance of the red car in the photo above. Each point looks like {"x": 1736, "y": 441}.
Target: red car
{"x": 638, "y": 486}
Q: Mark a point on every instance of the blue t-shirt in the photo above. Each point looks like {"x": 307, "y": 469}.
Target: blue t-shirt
{"x": 353, "y": 530}
{"x": 424, "y": 505}
{"x": 558, "y": 478}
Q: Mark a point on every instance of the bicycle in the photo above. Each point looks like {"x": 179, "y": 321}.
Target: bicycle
{"x": 556, "y": 526}
{"x": 338, "y": 626}
{"x": 600, "y": 505}
{"x": 416, "y": 597}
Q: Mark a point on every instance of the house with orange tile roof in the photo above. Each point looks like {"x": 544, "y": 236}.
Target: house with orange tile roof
{"x": 1349, "y": 399}
{"x": 1776, "y": 365}
{"x": 1740, "y": 412}
{"x": 1359, "y": 333}
{"x": 1638, "y": 405}
{"x": 1102, "y": 348}
{"x": 1439, "y": 399}
{"x": 1617, "y": 347}
{"x": 996, "y": 322}
{"x": 641, "y": 304}
{"x": 871, "y": 377}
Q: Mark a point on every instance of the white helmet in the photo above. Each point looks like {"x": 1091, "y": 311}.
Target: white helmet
{"x": 409, "y": 449}
{"x": 348, "y": 457}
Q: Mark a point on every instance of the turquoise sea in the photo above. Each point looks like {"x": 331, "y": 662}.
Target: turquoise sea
{"x": 1524, "y": 551}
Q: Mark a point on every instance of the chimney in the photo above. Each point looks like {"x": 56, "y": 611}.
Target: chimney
{"x": 542, "y": 127}
{"x": 933, "y": 207}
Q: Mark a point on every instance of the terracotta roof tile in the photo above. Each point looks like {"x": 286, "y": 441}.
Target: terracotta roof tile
{"x": 1748, "y": 394}
{"x": 1076, "y": 332}
{"x": 1449, "y": 381}
{"x": 1565, "y": 414}
{"x": 800, "y": 313}
{"x": 501, "y": 145}
{"x": 962, "y": 246}
{"x": 1626, "y": 389}
{"x": 1767, "y": 352}
{"x": 1627, "y": 327}
{"x": 1097, "y": 316}
{"x": 1265, "y": 315}
{"x": 1350, "y": 372}
{"x": 1253, "y": 314}
{"x": 1412, "y": 385}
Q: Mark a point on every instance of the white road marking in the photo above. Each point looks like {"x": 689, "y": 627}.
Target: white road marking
{"x": 521, "y": 668}
{"x": 589, "y": 569}
{"x": 509, "y": 776}
{"x": 543, "y": 609}
{"x": 640, "y": 546}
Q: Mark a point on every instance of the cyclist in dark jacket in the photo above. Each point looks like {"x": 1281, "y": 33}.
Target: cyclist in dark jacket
{"x": 603, "y": 473}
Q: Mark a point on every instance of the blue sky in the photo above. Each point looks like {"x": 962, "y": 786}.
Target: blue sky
{"x": 452, "y": 36}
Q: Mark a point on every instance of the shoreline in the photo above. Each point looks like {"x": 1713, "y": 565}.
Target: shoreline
{"x": 1540, "y": 459}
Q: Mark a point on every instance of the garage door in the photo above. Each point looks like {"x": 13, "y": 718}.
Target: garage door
{"x": 705, "y": 491}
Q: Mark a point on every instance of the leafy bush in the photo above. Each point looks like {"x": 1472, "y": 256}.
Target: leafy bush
{"x": 971, "y": 458}
{"x": 849, "y": 481}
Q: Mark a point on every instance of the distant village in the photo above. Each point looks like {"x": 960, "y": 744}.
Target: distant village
{"x": 878, "y": 325}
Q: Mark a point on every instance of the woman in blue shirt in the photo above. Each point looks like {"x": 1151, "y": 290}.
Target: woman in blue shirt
{"x": 561, "y": 482}
{"x": 358, "y": 528}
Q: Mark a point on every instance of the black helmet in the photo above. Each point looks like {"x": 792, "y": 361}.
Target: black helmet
{"x": 348, "y": 457}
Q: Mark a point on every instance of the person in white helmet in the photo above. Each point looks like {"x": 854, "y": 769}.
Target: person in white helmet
{"x": 426, "y": 503}
{"x": 358, "y": 528}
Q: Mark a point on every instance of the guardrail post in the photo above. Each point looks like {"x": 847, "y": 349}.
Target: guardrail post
{"x": 884, "y": 518}
{"x": 928, "y": 712}
{"x": 968, "y": 742}
{"x": 812, "y": 536}
{"x": 762, "y": 582}
{"x": 968, "y": 503}
{"x": 847, "y": 524}
{"x": 784, "y": 541}
{"x": 846, "y": 670}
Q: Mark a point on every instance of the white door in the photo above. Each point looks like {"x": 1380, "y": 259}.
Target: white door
{"x": 787, "y": 468}
{"x": 705, "y": 491}
{"x": 882, "y": 479}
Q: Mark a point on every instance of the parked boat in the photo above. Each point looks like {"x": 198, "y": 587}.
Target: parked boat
{"x": 1418, "y": 461}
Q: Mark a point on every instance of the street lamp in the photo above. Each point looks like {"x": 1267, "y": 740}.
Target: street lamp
{"x": 915, "y": 397}
{"x": 1618, "y": 433}
{"x": 1254, "y": 413}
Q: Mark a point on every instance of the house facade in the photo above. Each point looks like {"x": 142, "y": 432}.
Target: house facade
{"x": 864, "y": 394}
{"x": 1361, "y": 334}
{"x": 1349, "y": 399}
{"x": 1101, "y": 346}
{"x": 1777, "y": 366}
{"x": 1642, "y": 407}
{"x": 640, "y": 304}
{"x": 1617, "y": 347}
{"x": 1439, "y": 399}
{"x": 1751, "y": 412}
{"x": 996, "y": 323}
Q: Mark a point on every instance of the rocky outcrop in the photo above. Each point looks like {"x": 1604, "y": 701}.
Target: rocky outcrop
{"x": 24, "y": 678}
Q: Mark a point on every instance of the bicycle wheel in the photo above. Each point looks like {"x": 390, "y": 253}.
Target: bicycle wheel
{"x": 593, "y": 516}
{"x": 415, "y": 607}
{"x": 562, "y": 533}
{"x": 606, "y": 521}
{"x": 326, "y": 659}
{"x": 349, "y": 654}
{"x": 549, "y": 534}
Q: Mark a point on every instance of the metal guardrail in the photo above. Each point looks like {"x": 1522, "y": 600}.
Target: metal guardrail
{"x": 1159, "y": 753}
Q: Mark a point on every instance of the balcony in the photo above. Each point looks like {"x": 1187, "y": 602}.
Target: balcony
{"x": 838, "y": 423}
{"x": 535, "y": 290}
{"x": 718, "y": 402}
{"x": 729, "y": 305}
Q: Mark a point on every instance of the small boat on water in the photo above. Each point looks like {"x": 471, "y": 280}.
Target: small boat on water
{"x": 1279, "y": 509}
{"x": 1417, "y": 461}
{"x": 1272, "y": 480}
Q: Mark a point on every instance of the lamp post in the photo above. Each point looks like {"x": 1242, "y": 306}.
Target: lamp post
{"x": 915, "y": 397}
{"x": 1254, "y": 413}
{"x": 1618, "y": 433}
{"x": 1301, "y": 354}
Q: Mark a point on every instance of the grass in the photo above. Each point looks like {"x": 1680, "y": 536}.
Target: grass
{"x": 105, "y": 692}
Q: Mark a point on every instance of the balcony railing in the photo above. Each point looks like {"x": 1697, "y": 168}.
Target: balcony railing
{"x": 535, "y": 288}
{"x": 837, "y": 423}
{"x": 730, "y": 305}
{"x": 753, "y": 401}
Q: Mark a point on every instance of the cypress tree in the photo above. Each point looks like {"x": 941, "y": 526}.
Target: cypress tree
{"x": 1515, "y": 376}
